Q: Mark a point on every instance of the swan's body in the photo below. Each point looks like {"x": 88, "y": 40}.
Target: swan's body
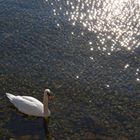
{"x": 30, "y": 105}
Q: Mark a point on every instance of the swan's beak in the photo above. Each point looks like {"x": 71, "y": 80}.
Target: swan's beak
{"x": 50, "y": 96}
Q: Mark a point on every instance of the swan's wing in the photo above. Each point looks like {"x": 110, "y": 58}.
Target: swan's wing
{"x": 38, "y": 103}
{"x": 31, "y": 99}
{"x": 31, "y": 107}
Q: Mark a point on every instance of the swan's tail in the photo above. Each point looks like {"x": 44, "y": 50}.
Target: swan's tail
{"x": 10, "y": 96}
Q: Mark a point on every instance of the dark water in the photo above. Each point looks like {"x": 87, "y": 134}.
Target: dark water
{"x": 87, "y": 53}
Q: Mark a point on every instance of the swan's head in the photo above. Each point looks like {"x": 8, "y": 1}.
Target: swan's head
{"x": 49, "y": 93}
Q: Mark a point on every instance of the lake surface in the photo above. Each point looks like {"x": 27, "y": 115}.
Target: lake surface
{"x": 87, "y": 52}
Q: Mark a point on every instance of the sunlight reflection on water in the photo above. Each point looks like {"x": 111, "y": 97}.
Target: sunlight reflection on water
{"x": 115, "y": 22}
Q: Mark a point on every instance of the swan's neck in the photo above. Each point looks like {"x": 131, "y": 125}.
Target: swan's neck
{"x": 45, "y": 103}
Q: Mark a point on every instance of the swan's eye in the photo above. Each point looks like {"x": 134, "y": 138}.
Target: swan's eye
{"x": 50, "y": 93}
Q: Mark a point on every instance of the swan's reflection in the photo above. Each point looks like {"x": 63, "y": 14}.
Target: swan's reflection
{"x": 46, "y": 122}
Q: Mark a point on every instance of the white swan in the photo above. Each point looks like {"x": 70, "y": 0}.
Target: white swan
{"x": 30, "y": 105}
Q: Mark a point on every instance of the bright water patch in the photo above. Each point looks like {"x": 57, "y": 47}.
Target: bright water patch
{"x": 116, "y": 23}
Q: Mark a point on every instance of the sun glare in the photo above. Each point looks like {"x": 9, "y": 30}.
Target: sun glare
{"x": 116, "y": 22}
